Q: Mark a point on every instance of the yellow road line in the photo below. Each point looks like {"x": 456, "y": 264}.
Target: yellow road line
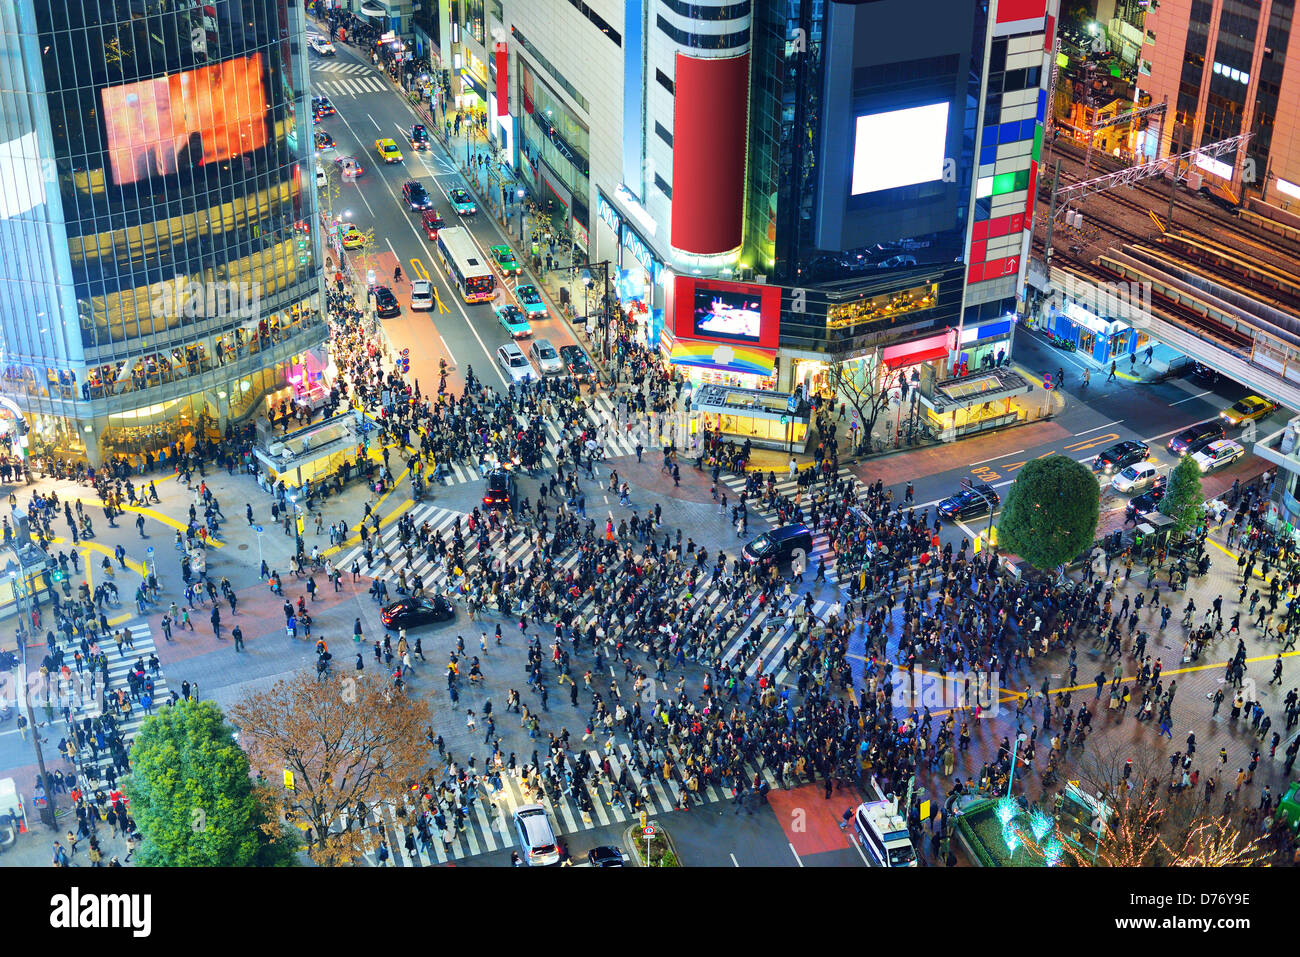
{"x": 383, "y": 522}
{"x": 135, "y": 566}
{"x": 148, "y": 513}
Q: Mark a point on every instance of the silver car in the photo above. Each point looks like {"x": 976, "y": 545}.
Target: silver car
{"x": 546, "y": 358}
{"x": 514, "y": 363}
{"x": 421, "y": 294}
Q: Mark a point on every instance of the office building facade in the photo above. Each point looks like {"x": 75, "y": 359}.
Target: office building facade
{"x": 162, "y": 274}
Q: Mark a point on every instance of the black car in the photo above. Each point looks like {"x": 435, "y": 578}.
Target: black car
{"x": 576, "y": 361}
{"x": 410, "y": 612}
{"x": 606, "y": 856}
{"x": 1121, "y": 455}
{"x": 419, "y": 137}
{"x": 1204, "y": 374}
{"x": 976, "y": 498}
{"x": 386, "y": 303}
{"x": 500, "y": 492}
{"x": 416, "y": 196}
{"x": 779, "y": 545}
{"x": 1197, "y": 437}
{"x": 1139, "y": 505}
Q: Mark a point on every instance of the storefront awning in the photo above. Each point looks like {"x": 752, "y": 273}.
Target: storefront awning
{"x": 725, "y": 358}
{"x": 911, "y": 359}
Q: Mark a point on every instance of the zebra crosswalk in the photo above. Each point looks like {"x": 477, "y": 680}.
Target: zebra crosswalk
{"x": 340, "y": 66}
{"x": 119, "y": 664}
{"x": 740, "y": 649}
{"x": 352, "y": 86}
{"x": 488, "y": 824}
{"x": 788, "y": 486}
{"x": 601, "y": 413}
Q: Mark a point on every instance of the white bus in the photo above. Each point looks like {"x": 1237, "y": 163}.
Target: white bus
{"x": 466, "y": 265}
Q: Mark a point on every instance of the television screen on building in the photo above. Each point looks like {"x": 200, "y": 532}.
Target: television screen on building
{"x": 161, "y": 126}
{"x": 727, "y": 314}
{"x": 899, "y": 148}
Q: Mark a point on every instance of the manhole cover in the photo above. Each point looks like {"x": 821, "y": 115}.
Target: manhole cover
{"x": 243, "y": 548}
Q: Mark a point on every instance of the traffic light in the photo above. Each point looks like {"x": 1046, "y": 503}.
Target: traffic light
{"x": 59, "y": 574}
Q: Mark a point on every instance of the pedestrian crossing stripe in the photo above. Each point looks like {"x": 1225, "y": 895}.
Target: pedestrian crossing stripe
{"x": 487, "y": 827}
{"x": 365, "y": 84}
{"x": 119, "y": 664}
{"x": 748, "y": 614}
{"x": 337, "y": 66}
{"x": 600, "y": 413}
{"x": 788, "y": 486}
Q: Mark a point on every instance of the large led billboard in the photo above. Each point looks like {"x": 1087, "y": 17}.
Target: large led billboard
{"x": 899, "y": 148}
{"x": 717, "y": 311}
{"x": 176, "y": 122}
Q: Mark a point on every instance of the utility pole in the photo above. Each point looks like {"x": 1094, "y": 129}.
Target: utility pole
{"x": 1173, "y": 183}
{"x": 1051, "y": 220}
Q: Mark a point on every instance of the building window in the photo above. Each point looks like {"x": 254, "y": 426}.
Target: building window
{"x": 663, "y": 187}
{"x": 663, "y": 133}
{"x": 666, "y": 83}
{"x": 712, "y": 41}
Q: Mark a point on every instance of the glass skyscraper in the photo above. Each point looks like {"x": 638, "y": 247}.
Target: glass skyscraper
{"x": 161, "y": 266}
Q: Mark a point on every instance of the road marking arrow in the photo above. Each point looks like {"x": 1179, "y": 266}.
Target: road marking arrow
{"x": 1012, "y": 466}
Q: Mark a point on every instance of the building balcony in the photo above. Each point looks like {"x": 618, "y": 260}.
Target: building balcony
{"x": 157, "y": 379}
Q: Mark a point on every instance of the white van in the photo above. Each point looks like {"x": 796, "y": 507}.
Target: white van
{"x": 884, "y": 834}
{"x": 535, "y": 836}
{"x": 321, "y": 180}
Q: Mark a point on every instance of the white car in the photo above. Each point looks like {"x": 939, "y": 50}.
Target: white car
{"x": 322, "y": 46}
{"x": 514, "y": 363}
{"x": 546, "y": 358}
{"x": 1218, "y": 454}
{"x": 1135, "y": 478}
{"x": 421, "y": 294}
{"x": 321, "y": 179}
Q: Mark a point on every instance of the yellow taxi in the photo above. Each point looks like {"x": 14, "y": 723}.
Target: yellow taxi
{"x": 1249, "y": 409}
{"x": 350, "y": 236}
{"x": 388, "y": 151}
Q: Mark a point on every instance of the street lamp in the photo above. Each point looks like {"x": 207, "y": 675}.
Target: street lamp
{"x": 519, "y": 195}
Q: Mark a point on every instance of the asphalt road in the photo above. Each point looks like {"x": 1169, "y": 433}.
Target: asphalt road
{"x": 1094, "y": 418}
{"x": 368, "y": 107}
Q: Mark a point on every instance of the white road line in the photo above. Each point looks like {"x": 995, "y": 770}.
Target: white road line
{"x": 448, "y": 348}
{"x": 1190, "y": 398}
{"x": 1004, "y": 455}
{"x": 796, "y": 855}
{"x": 372, "y": 120}
{"x": 1100, "y": 427}
{"x": 1170, "y": 432}
{"x": 858, "y": 847}
{"x": 392, "y": 250}
{"x": 734, "y": 861}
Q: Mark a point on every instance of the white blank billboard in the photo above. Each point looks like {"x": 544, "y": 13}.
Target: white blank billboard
{"x": 899, "y": 148}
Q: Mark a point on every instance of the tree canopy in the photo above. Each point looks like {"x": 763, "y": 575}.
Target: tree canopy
{"x": 1050, "y": 515}
{"x": 1184, "y": 498}
{"x": 350, "y": 743}
{"x": 193, "y": 798}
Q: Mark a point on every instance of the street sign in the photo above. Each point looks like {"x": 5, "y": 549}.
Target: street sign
{"x": 648, "y": 832}
{"x": 258, "y": 529}
{"x": 288, "y": 780}
{"x": 792, "y": 403}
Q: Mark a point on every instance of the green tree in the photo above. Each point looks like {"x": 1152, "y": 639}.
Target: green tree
{"x": 193, "y": 798}
{"x": 1184, "y": 498}
{"x": 1050, "y": 516}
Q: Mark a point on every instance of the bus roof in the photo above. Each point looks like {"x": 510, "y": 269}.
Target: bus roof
{"x": 460, "y": 245}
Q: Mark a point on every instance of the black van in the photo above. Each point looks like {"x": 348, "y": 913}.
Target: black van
{"x": 779, "y": 545}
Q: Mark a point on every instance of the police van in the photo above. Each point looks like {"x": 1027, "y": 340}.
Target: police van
{"x": 884, "y": 834}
